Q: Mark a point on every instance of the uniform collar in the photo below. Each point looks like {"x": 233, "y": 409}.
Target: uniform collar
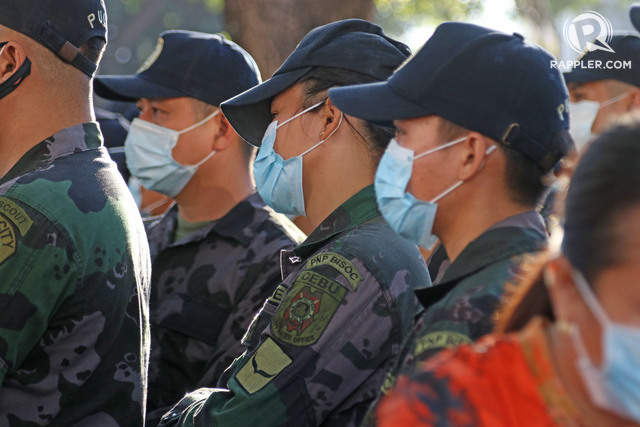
{"x": 358, "y": 209}
{"x": 70, "y": 140}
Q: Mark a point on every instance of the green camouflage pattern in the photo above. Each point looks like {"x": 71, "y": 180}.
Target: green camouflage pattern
{"x": 321, "y": 346}
{"x": 205, "y": 290}
{"x": 74, "y": 283}
{"x": 460, "y": 307}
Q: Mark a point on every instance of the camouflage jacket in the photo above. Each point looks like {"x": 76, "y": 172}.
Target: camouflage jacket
{"x": 74, "y": 277}
{"x": 205, "y": 290}
{"x": 320, "y": 348}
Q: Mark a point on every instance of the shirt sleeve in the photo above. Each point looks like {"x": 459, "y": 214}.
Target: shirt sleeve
{"x": 38, "y": 272}
{"x": 325, "y": 352}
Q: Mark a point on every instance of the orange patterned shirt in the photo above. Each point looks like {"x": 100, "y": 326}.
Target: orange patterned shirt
{"x": 500, "y": 381}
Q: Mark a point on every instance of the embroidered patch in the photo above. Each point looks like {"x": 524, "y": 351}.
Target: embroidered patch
{"x": 307, "y": 310}
{"x": 439, "y": 340}
{"x": 340, "y": 263}
{"x": 16, "y": 215}
{"x": 265, "y": 364}
{"x": 8, "y": 240}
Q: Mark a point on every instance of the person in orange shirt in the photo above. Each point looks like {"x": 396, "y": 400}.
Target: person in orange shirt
{"x": 567, "y": 348}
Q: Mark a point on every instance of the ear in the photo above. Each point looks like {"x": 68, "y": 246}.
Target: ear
{"x": 331, "y": 117}
{"x": 558, "y": 277}
{"x": 13, "y": 56}
{"x": 634, "y": 99}
{"x": 474, "y": 155}
{"x": 224, "y": 133}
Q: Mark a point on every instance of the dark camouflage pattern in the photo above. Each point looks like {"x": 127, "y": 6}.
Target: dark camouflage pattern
{"x": 460, "y": 307}
{"x": 205, "y": 290}
{"x": 74, "y": 283}
{"x": 321, "y": 346}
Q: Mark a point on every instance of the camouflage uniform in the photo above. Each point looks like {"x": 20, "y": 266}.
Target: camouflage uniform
{"x": 322, "y": 344}
{"x": 74, "y": 269}
{"x": 460, "y": 307}
{"x": 205, "y": 290}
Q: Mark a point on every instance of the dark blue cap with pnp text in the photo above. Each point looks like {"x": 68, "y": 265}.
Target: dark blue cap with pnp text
{"x": 483, "y": 80}
{"x": 351, "y": 44}
{"x": 204, "y": 66}
{"x": 594, "y": 65}
{"x": 62, "y": 28}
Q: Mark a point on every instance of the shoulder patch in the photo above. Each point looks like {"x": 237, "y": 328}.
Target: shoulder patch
{"x": 16, "y": 215}
{"x": 262, "y": 367}
{"x": 8, "y": 240}
{"x": 307, "y": 309}
{"x": 440, "y": 339}
{"x": 340, "y": 263}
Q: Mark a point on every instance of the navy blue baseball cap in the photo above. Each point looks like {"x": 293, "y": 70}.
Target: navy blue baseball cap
{"x": 483, "y": 80}
{"x": 351, "y": 44}
{"x": 62, "y": 27}
{"x": 634, "y": 14}
{"x": 204, "y": 66}
{"x": 626, "y": 47}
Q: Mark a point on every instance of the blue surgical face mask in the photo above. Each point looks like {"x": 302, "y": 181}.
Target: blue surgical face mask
{"x": 279, "y": 181}
{"x": 409, "y": 217}
{"x": 615, "y": 384}
{"x": 148, "y": 150}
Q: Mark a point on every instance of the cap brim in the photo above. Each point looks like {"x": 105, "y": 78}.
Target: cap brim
{"x": 250, "y": 112}
{"x": 634, "y": 14}
{"x": 377, "y": 103}
{"x": 131, "y": 88}
{"x": 581, "y": 75}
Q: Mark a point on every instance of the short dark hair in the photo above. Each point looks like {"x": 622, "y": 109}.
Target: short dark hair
{"x": 526, "y": 181}
{"x": 315, "y": 86}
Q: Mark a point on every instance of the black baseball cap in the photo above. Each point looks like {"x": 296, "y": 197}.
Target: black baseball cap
{"x": 484, "y": 80}
{"x": 351, "y": 44}
{"x": 62, "y": 27}
{"x": 634, "y": 14}
{"x": 204, "y": 66}
{"x": 626, "y": 47}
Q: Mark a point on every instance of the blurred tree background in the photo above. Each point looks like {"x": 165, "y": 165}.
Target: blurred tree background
{"x": 270, "y": 29}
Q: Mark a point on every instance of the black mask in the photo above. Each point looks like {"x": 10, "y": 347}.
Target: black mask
{"x": 14, "y": 81}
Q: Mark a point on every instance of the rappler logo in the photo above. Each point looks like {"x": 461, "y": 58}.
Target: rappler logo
{"x": 587, "y": 32}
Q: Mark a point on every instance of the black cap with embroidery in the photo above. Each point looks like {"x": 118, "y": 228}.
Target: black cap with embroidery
{"x": 204, "y": 66}
{"x": 481, "y": 79}
{"x": 61, "y": 26}
{"x": 351, "y": 44}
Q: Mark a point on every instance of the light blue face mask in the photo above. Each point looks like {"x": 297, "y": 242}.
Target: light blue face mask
{"x": 615, "y": 384}
{"x": 148, "y": 149}
{"x": 409, "y": 217}
{"x": 279, "y": 181}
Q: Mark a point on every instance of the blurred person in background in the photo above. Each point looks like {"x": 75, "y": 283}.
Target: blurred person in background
{"x": 567, "y": 347}
{"x": 320, "y": 348}
{"x": 216, "y": 252}
{"x": 74, "y": 259}
{"x": 600, "y": 93}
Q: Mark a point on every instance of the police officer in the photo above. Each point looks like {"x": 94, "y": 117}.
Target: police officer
{"x": 481, "y": 119}
{"x": 216, "y": 252}
{"x": 604, "y": 85}
{"x": 74, "y": 260}
{"x": 320, "y": 347}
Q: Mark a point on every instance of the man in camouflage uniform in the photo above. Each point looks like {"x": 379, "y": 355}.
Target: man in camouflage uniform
{"x": 216, "y": 252}
{"x": 318, "y": 351}
{"x": 74, "y": 261}
{"x": 492, "y": 130}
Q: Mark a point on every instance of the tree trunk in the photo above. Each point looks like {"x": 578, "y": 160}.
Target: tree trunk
{"x": 271, "y": 29}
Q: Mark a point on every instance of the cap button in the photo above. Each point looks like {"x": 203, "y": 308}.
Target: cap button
{"x": 518, "y": 35}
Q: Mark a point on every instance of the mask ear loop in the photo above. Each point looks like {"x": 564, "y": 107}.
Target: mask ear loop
{"x": 614, "y": 100}
{"x": 300, "y": 113}
{"x": 330, "y": 135}
{"x": 459, "y": 183}
{"x": 206, "y": 119}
